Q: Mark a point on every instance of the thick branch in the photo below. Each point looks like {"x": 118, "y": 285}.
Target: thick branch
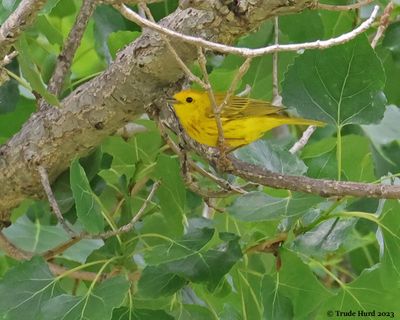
{"x": 20, "y": 19}
{"x": 143, "y": 73}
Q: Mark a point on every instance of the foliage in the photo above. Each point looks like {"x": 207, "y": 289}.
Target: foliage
{"x": 338, "y": 254}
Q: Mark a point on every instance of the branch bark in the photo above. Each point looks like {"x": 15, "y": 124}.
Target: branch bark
{"x": 143, "y": 74}
{"x": 67, "y": 54}
{"x": 19, "y": 20}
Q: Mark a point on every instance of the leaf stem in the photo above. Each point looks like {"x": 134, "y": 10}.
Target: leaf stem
{"x": 339, "y": 152}
{"x": 21, "y": 81}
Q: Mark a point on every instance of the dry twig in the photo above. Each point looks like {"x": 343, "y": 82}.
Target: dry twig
{"x": 52, "y": 200}
{"x": 303, "y": 140}
{"x": 247, "y": 52}
{"x": 383, "y": 23}
{"x": 71, "y": 44}
{"x": 128, "y": 227}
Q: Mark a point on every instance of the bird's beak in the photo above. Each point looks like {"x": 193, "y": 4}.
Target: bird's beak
{"x": 172, "y": 101}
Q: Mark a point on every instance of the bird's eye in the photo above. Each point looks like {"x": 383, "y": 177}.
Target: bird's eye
{"x": 189, "y": 99}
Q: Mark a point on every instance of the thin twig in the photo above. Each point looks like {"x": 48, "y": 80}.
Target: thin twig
{"x": 221, "y": 182}
{"x": 303, "y": 140}
{"x": 331, "y": 7}
{"x": 71, "y": 44}
{"x": 217, "y": 112}
{"x": 52, "y": 200}
{"x": 383, "y": 23}
{"x": 8, "y": 58}
{"x": 232, "y": 88}
{"x": 51, "y": 253}
{"x": 11, "y": 250}
{"x": 245, "y": 92}
{"x": 247, "y": 52}
{"x": 128, "y": 227}
{"x": 276, "y": 97}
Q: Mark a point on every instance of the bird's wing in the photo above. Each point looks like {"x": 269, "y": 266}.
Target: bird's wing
{"x": 242, "y": 107}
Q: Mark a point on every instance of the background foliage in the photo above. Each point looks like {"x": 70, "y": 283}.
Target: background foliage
{"x": 340, "y": 254}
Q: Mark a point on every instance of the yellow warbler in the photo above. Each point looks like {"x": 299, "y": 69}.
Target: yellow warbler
{"x": 244, "y": 120}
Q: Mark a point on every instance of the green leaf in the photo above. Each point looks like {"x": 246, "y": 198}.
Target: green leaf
{"x": 159, "y": 281}
{"x": 276, "y": 305}
{"x": 37, "y": 238}
{"x": 87, "y": 60}
{"x": 63, "y": 8}
{"x": 388, "y": 130}
{"x": 357, "y": 164}
{"x": 320, "y": 158}
{"x": 326, "y": 238}
{"x": 259, "y": 75}
{"x": 265, "y": 207}
{"x": 96, "y": 304}
{"x": 299, "y": 284}
{"x": 302, "y": 27}
{"x": 88, "y": 206}
{"x": 6, "y": 8}
{"x": 386, "y": 159}
{"x": 119, "y": 39}
{"x": 391, "y": 64}
{"x": 365, "y": 294}
{"x": 196, "y": 312}
{"x": 272, "y": 157}
{"x": 123, "y": 163}
{"x": 25, "y": 288}
{"x": 106, "y": 21}
{"x": 390, "y": 230}
{"x": 171, "y": 193}
{"x": 221, "y": 79}
{"x": 206, "y": 267}
{"x": 337, "y": 22}
{"x": 53, "y": 35}
{"x": 9, "y": 93}
{"x": 391, "y": 38}
{"x": 11, "y": 123}
{"x": 339, "y": 85}
{"x": 31, "y": 73}
{"x": 190, "y": 244}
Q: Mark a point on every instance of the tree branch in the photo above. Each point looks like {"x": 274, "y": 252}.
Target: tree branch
{"x": 143, "y": 75}
{"x": 19, "y": 20}
{"x": 71, "y": 44}
{"x": 52, "y": 200}
{"x": 322, "y": 187}
{"x": 247, "y": 52}
{"x": 383, "y": 23}
{"x": 260, "y": 175}
{"x": 348, "y": 7}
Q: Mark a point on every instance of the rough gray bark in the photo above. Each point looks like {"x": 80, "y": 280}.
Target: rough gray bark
{"x": 143, "y": 74}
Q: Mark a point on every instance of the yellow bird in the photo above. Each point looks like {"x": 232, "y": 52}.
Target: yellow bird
{"x": 244, "y": 120}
